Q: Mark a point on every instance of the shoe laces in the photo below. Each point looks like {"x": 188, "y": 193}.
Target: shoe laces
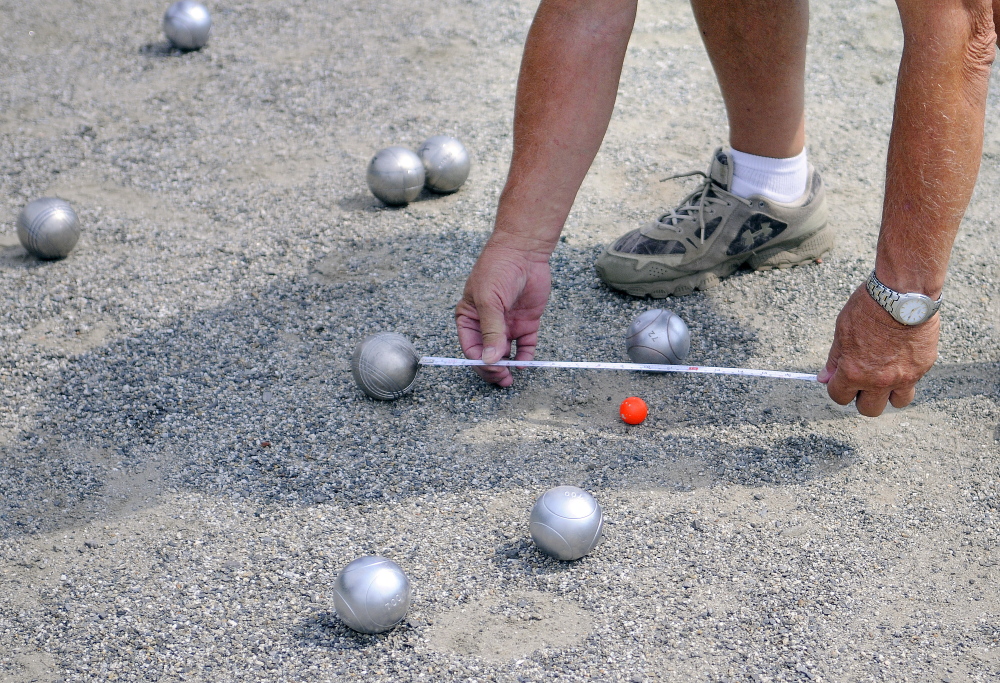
{"x": 694, "y": 204}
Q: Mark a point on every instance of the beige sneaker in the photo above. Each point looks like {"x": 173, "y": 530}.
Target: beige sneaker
{"x": 713, "y": 232}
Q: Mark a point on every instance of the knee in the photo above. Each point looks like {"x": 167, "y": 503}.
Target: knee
{"x": 957, "y": 31}
{"x": 602, "y": 19}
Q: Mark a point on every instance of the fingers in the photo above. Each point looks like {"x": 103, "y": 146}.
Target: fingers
{"x": 470, "y": 338}
{"x": 526, "y": 347}
{"x": 832, "y": 360}
{"x": 495, "y": 374}
{"x": 900, "y": 398}
{"x": 871, "y": 403}
{"x": 840, "y": 389}
{"x": 493, "y": 326}
{"x": 870, "y": 400}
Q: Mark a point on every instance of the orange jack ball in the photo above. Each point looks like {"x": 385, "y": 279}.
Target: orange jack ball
{"x": 633, "y": 410}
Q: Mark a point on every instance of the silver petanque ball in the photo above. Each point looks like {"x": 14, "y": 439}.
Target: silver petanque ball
{"x": 187, "y": 24}
{"x": 566, "y": 522}
{"x": 658, "y": 336}
{"x": 371, "y": 594}
{"x": 385, "y": 365}
{"x": 446, "y": 162}
{"x": 48, "y": 228}
{"x": 396, "y": 175}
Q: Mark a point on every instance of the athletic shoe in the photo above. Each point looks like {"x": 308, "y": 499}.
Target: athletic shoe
{"x": 714, "y": 232}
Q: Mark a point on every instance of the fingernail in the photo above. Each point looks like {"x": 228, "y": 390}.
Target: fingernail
{"x": 824, "y": 376}
{"x": 490, "y": 355}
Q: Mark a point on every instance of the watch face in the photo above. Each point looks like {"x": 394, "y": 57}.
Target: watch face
{"x": 913, "y": 311}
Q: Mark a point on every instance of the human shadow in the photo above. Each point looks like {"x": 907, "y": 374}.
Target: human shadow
{"x": 255, "y": 400}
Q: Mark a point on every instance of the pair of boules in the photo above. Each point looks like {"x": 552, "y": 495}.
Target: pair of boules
{"x": 372, "y": 594}
{"x": 396, "y": 174}
{"x": 385, "y": 365}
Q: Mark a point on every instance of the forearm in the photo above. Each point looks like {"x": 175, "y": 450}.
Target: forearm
{"x": 936, "y": 141}
{"x": 565, "y": 96}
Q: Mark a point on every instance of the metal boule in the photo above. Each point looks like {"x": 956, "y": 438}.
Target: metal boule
{"x": 566, "y": 523}
{"x": 48, "y": 228}
{"x": 446, "y": 163}
{"x": 371, "y": 594}
{"x": 395, "y": 175}
{"x": 385, "y": 365}
{"x": 658, "y": 336}
{"x": 187, "y": 24}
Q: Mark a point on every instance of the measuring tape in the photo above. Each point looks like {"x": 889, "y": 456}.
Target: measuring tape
{"x": 640, "y": 367}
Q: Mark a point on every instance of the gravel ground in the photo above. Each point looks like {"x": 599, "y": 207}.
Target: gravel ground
{"x": 185, "y": 464}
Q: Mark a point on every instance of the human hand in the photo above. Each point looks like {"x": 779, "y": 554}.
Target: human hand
{"x": 503, "y": 301}
{"x": 874, "y": 359}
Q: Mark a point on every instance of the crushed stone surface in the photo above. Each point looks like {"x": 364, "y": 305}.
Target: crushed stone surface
{"x": 186, "y": 464}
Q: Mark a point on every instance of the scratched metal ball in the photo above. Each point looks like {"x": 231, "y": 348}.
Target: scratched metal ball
{"x": 48, "y": 228}
{"x": 566, "y": 522}
{"x": 658, "y": 336}
{"x": 385, "y": 365}
{"x": 187, "y": 24}
{"x": 446, "y": 162}
{"x": 371, "y": 594}
{"x": 396, "y": 175}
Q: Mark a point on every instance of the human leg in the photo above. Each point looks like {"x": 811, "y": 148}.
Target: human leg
{"x": 761, "y": 204}
{"x": 758, "y": 51}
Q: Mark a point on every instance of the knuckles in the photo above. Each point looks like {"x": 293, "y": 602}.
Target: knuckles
{"x": 881, "y": 379}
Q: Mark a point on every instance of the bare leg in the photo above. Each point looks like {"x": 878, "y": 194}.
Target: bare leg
{"x": 758, "y": 51}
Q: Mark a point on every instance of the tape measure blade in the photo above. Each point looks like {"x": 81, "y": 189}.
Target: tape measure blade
{"x": 634, "y": 367}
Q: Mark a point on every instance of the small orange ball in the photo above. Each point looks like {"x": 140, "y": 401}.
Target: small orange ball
{"x": 633, "y": 410}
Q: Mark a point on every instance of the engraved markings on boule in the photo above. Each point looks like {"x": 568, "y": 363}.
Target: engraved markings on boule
{"x": 48, "y": 228}
{"x": 658, "y": 336}
{"x": 385, "y": 365}
{"x": 566, "y": 522}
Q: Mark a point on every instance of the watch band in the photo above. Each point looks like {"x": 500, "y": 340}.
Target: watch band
{"x": 889, "y": 299}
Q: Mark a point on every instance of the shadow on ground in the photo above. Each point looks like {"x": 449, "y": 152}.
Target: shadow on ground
{"x": 255, "y": 400}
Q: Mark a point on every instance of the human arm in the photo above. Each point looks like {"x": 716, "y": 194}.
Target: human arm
{"x": 565, "y": 95}
{"x": 934, "y": 154}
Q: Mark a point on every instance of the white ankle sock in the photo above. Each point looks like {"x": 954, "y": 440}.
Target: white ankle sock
{"x": 783, "y": 180}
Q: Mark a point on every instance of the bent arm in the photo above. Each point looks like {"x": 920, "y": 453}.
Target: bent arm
{"x": 937, "y": 138}
{"x": 566, "y": 93}
{"x": 565, "y": 96}
{"x": 933, "y": 160}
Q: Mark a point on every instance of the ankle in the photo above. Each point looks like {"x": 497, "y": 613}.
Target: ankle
{"x": 780, "y": 180}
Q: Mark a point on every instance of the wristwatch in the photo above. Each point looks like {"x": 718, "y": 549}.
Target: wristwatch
{"x": 907, "y": 308}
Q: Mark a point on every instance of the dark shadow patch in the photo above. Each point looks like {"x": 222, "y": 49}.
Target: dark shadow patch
{"x": 326, "y": 630}
{"x": 959, "y": 380}
{"x": 366, "y": 201}
{"x": 203, "y": 396}
{"x": 794, "y": 460}
{"x": 16, "y": 257}
{"x": 375, "y": 263}
{"x": 359, "y": 201}
{"x": 161, "y": 49}
{"x": 688, "y": 463}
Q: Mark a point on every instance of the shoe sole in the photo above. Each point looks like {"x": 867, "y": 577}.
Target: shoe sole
{"x": 783, "y": 256}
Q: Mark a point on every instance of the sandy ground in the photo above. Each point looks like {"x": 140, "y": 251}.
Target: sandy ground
{"x": 185, "y": 464}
